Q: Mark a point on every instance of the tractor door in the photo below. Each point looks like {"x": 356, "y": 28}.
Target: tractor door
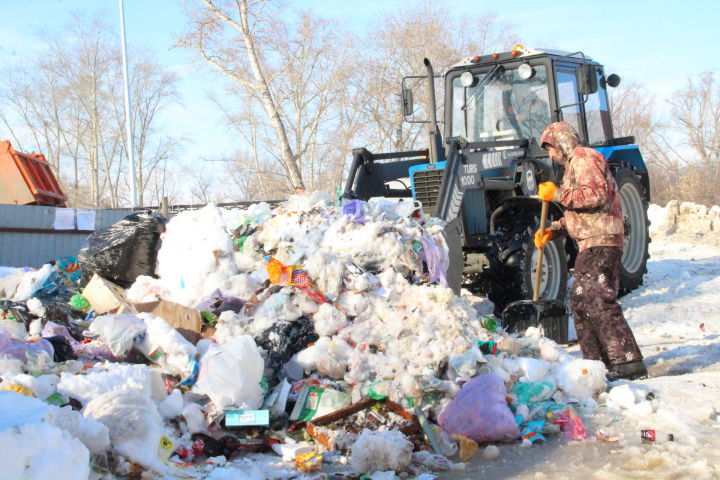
{"x": 568, "y": 97}
{"x": 591, "y": 119}
{"x": 597, "y": 114}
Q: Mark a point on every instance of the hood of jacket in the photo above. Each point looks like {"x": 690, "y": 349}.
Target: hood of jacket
{"x": 563, "y": 137}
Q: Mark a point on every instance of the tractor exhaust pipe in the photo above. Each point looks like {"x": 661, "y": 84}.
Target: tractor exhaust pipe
{"x": 434, "y": 131}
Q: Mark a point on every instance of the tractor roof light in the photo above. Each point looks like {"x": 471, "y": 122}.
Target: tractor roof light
{"x": 495, "y": 56}
{"x": 518, "y": 50}
{"x": 476, "y": 59}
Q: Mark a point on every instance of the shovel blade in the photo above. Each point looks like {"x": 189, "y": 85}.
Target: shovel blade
{"x": 549, "y": 314}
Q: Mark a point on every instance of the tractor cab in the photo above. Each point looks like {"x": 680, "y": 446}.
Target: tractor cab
{"x": 515, "y": 95}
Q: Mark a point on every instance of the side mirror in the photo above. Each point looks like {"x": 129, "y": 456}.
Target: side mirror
{"x": 613, "y": 80}
{"x": 406, "y": 98}
{"x": 587, "y": 81}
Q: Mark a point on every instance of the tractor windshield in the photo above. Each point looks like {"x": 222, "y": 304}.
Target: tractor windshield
{"x": 506, "y": 104}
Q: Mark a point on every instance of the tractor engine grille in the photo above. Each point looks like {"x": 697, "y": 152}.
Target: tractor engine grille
{"x": 427, "y": 188}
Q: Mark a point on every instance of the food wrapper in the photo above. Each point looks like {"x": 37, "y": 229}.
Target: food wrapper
{"x": 468, "y": 447}
{"x": 309, "y": 462}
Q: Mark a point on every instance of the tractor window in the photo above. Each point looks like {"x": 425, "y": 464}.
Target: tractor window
{"x": 597, "y": 116}
{"x": 568, "y": 95}
{"x": 503, "y": 106}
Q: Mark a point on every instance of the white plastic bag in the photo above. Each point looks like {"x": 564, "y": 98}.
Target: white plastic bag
{"x": 117, "y": 331}
{"x": 134, "y": 423}
{"x": 230, "y": 374}
{"x": 164, "y": 346}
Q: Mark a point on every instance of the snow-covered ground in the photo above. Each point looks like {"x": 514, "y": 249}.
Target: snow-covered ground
{"x": 675, "y": 317}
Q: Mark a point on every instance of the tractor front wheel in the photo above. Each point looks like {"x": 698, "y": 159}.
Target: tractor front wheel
{"x": 510, "y": 274}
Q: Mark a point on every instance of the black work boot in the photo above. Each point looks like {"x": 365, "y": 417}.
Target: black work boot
{"x": 628, "y": 371}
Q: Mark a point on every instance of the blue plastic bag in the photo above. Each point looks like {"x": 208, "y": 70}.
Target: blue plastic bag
{"x": 355, "y": 211}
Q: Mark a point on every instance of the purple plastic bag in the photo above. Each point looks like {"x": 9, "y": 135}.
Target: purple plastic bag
{"x": 480, "y": 412}
{"x": 436, "y": 261}
{"x": 355, "y": 211}
{"x": 19, "y": 350}
{"x": 88, "y": 351}
{"x": 217, "y": 303}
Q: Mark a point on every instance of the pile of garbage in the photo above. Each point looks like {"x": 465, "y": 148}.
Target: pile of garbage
{"x": 317, "y": 336}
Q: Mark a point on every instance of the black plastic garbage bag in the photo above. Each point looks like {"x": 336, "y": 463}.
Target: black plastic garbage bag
{"x": 63, "y": 350}
{"x": 62, "y": 314}
{"x": 19, "y": 312}
{"x": 285, "y": 339}
{"x": 125, "y": 250}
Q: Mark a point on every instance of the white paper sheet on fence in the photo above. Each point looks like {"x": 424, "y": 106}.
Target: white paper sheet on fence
{"x": 85, "y": 219}
{"x": 64, "y": 219}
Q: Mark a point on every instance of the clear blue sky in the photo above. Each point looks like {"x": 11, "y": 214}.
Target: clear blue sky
{"x": 657, "y": 43}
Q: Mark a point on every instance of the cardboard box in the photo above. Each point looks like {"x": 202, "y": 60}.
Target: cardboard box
{"x": 314, "y": 402}
{"x": 106, "y": 297}
{"x": 247, "y": 418}
{"x": 185, "y": 320}
{"x": 208, "y": 331}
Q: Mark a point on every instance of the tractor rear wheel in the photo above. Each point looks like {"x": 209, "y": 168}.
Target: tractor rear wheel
{"x": 637, "y": 237}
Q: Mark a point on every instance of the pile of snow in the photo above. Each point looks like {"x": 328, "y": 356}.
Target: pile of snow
{"x": 685, "y": 222}
{"x": 40, "y": 440}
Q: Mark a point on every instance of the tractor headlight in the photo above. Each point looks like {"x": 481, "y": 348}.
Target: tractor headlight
{"x": 525, "y": 71}
{"x": 467, "y": 80}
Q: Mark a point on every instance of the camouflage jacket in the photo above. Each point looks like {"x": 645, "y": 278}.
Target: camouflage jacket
{"x": 593, "y": 216}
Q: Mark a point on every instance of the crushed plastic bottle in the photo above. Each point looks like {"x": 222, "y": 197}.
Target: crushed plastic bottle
{"x": 489, "y": 323}
{"x": 597, "y": 417}
{"x": 447, "y": 445}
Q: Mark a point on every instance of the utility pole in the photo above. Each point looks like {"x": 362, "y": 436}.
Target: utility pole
{"x": 128, "y": 119}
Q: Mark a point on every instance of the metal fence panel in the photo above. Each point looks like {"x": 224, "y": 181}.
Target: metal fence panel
{"x": 28, "y": 237}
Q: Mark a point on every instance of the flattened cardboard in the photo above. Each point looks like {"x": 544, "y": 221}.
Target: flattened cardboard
{"x": 185, "y": 320}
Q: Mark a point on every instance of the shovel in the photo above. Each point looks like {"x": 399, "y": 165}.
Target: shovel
{"x": 550, "y": 314}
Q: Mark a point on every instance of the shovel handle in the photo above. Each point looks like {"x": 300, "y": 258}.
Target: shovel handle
{"x": 538, "y": 267}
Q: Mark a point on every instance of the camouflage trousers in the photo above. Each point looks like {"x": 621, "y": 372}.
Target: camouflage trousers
{"x": 602, "y": 330}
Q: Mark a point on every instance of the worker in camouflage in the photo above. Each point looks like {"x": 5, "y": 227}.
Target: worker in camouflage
{"x": 593, "y": 218}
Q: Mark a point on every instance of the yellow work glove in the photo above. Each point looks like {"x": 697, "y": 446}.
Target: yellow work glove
{"x": 546, "y": 191}
{"x": 542, "y": 237}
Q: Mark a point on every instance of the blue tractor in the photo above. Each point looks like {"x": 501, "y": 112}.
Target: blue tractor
{"x": 482, "y": 172}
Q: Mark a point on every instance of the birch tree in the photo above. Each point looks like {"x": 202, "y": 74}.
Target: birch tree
{"x": 695, "y": 118}
{"x": 231, "y": 36}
